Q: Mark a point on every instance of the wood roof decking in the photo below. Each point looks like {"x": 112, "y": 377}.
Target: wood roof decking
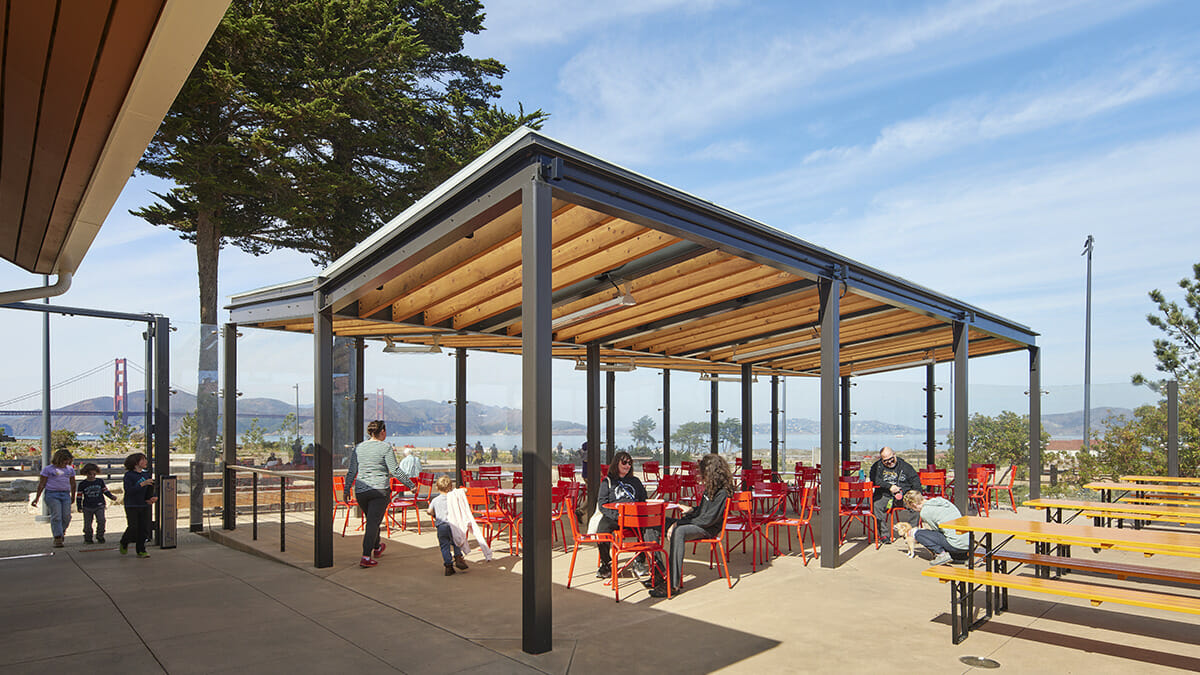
{"x": 701, "y": 304}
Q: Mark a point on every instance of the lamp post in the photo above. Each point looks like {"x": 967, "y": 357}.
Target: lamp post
{"x": 297, "y": 388}
{"x": 1087, "y": 349}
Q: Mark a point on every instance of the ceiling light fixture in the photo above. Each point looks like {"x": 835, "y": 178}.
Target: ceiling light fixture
{"x": 614, "y": 367}
{"x": 393, "y": 348}
{"x": 767, "y": 351}
{"x": 714, "y": 377}
{"x": 894, "y": 366}
{"x": 623, "y": 299}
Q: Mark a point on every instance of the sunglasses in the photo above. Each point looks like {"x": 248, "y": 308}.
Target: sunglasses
{"x": 890, "y": 460}
{"x": 627, "y": 462}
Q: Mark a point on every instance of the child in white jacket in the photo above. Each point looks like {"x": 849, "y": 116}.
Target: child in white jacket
{"x": 453, "y": 517}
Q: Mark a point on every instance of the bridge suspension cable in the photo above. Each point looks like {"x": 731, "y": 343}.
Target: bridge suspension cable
{"x": 68, "y": 381}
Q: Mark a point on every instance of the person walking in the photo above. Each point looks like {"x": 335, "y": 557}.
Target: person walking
{"x": 139, "y": 496}
{"x": 372, "y": 465}
{"x": 58, "y": 483}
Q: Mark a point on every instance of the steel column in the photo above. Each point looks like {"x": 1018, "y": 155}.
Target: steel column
{"x": 845, "y": 419}
{"x": 1173, "y": 428}
{"x": 830, "y": 291}
{"x": 592, "y": 456}
{"x": 148, "y": 399}
{"x": 1035, "y": 423}
{"x": 162, "y": 416}
{"x": 229, "y": 433}
{"x": 610, "y": 416}
{"x": 323, "y": 430}
{"x": 774, "y": 424}
{"x": 747, "y": 416}
{"x": 714, "y": 422}
{"x": 930, "y": 416}
{"x": 666, "y": 421}
{"x": 460, "y": 413}
{"x": 360, "y": 393}
{"x": 536, "y": 388}
{"x": 961, "y": 351}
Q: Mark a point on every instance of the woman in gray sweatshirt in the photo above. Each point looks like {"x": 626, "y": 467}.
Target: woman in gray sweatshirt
{"x": 372, "y": 465}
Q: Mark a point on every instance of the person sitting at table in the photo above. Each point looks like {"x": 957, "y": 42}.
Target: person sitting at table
{"x": 701, "y": 522}
{"x": 619, "y": 486}
{"x": 893, "y": 478}
{"x": 945, "y": 545}
{"x": 410, "y": 463}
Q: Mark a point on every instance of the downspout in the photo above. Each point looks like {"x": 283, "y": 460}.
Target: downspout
{"x": 61, "y": 285}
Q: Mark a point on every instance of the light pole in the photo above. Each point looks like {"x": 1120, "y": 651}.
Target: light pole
{"x": 1087, "y": 349}
{"x": 297, "y": 388}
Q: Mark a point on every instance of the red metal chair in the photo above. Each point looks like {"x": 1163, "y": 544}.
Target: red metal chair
{"x": 467, "y": 477}
{"x": 716, "y": 547}
{"x": 854, "y": 504}
{"x": 425, "y": 481}
{"x": 579, "y": 539}
{"x": 687, "y": 468}
{"x": 634, "y": 519}
{"x": 978, "y": 478}
{"x": 651, "y": 471}
{"x": 485, "y": 513}
{"x": 403, "y": 501}
{"x": 994, "y": 490}
{"x": 339, "y": 487}
{"x": 740, "y": 519}
{"x": 851, "y": 468}
{"x": 933, "y": 482}
{"x": 689, "y": 490}
{"x": 669, "y": 488}
{"x": 518, "y": 478}
{"x": 490, "y": 471}
{"x": 802, "y": 522}
{"x": 566, "y": 472}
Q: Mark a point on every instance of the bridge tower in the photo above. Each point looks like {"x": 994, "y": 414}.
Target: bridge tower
{"x": 378, "y": 404}
{"x": 120, "y": 390}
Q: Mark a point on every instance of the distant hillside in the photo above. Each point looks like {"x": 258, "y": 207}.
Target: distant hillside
{"x": 1070, "y": 425}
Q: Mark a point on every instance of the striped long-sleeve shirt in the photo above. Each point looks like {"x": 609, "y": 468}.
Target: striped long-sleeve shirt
{"x": 371, "y": 465}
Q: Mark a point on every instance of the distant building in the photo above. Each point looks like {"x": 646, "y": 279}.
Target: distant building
{"x": 1072, "y": 445}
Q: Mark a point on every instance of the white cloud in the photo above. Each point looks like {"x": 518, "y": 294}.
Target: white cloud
{"x": 627, "y": 97}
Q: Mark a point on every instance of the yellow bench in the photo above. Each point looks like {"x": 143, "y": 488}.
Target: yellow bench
{"x": 962, "y": 605}
{"x": 1117, "y": 569}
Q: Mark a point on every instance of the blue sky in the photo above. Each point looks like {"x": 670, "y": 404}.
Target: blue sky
{"x": 968, "y": 146}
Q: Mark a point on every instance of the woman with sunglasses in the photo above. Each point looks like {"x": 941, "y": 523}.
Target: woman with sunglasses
{"x": 620, "y": 485}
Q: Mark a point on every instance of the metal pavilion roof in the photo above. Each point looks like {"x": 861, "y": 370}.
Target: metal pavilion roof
{"x": 711, "y": 290}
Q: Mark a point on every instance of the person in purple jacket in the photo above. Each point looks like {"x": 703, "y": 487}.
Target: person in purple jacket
{"x": 58, "y": 482}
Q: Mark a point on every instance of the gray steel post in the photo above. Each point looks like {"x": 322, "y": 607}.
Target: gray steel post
{"x": 162, "y": 421}
{"x": 666, "y": 421}
{"x": 45, "y": 510}
{"x": 610, "y": 416}
{"x": 1035, "y": 423}
{"x": 930, "y": 417}
{"x": 714, "y": 422}
{"x": 830, "y": 291}
{"x": 460, "y": 413}
{"x": 1173, "y": 428}
{"x": 229, "y": 435}
{"x": 774, "y": 424}
{"x": 845, "y": 420}
{"x": 592, "y": 457}
{"x": 747, "y": 417}
{"x": 148, "y": 399}
{"x": 323, "y": 430}
{"x": 961, "y": 351}
{"x": 536, "y": 388}
{"x": 360, "y": 392}
{"x": 1087, "y": 349}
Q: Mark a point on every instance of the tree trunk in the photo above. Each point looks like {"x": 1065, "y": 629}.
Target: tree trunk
{"x": 208, "y": 247}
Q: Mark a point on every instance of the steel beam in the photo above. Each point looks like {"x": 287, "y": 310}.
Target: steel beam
{"x": 666, "y": 421}
{"x": 774, "y": 425}
{"x": 930, "y": 416}
{"x": 610, "y": 416}
{"x": 323, "y": 430}
{"x": 360, "y": 393}
{"x": 229, "y": 434}
{"x": 460, "y": 413}
{"x": 830, "y": 294}
{"x": 536, "y": 390}
{"x": 162, "y": 413}
{"x": 845, "y": 419}
{"x": 714, "y": 421}
{"x": 592, "y": 456}
{"x": 748, "y": 416}
{"x": 1035, "y": 423}
{"x": 962, "y": 349}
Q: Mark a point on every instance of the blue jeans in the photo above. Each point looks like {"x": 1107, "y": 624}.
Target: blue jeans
{"x": 935, "y": 541}
{"x": 59, "y": 503}
{"x": 446, "y": 543}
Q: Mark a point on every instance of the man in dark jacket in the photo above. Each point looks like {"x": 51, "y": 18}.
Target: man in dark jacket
{"x": 892, "y": 478}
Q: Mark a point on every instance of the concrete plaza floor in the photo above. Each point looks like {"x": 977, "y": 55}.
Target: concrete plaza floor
{"x": 239, "y": 605}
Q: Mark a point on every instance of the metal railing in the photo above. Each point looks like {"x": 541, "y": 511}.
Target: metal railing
{"x": 230, "y": 487}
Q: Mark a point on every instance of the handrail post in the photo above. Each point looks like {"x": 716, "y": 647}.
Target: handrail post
{"x": 254, "y": 502}
{"x": 229, "y": 499}
{"x": 282, "y": 505}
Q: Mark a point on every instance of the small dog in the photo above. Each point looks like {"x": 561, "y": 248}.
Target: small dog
{"x": 905, "y": 530}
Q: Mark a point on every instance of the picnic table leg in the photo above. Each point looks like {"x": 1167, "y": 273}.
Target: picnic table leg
{"x": 958, "y": 611}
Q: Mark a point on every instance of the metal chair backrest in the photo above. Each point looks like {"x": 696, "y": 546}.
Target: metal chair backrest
{"x": 651, "y": 469}
{"x": 642, "y": 516}
{"x": 489, "y": 471}
{"x": 566, "y": 471}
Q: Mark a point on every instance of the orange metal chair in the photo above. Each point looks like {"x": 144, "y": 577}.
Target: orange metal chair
{"x": 995, "y": 490}
{"x": 854, "y": 504}
{"x": 486, "y": 515}
{"x": 579, "y": 539}
{"x": 933, "y": 482}
{"x": 633, "y": 520}
{"x": 716, "y": 547}
{"x": 403, "y": 501}
{"x": 978, "y": 478}
{"x": 740, "y": 518}
{"x": 802, "y": 522}
{"x": 339, "y": 487}
{"x": 424, "y": 481}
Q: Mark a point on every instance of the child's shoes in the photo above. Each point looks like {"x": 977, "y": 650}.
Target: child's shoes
{"x": 459, "y": 562}
{"x": 449, "y": 569}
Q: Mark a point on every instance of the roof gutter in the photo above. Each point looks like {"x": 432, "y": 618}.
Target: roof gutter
{"x": 61, "y": 285}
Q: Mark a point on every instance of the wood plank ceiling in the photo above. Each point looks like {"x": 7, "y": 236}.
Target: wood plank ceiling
{"x": 695, "y": 308}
